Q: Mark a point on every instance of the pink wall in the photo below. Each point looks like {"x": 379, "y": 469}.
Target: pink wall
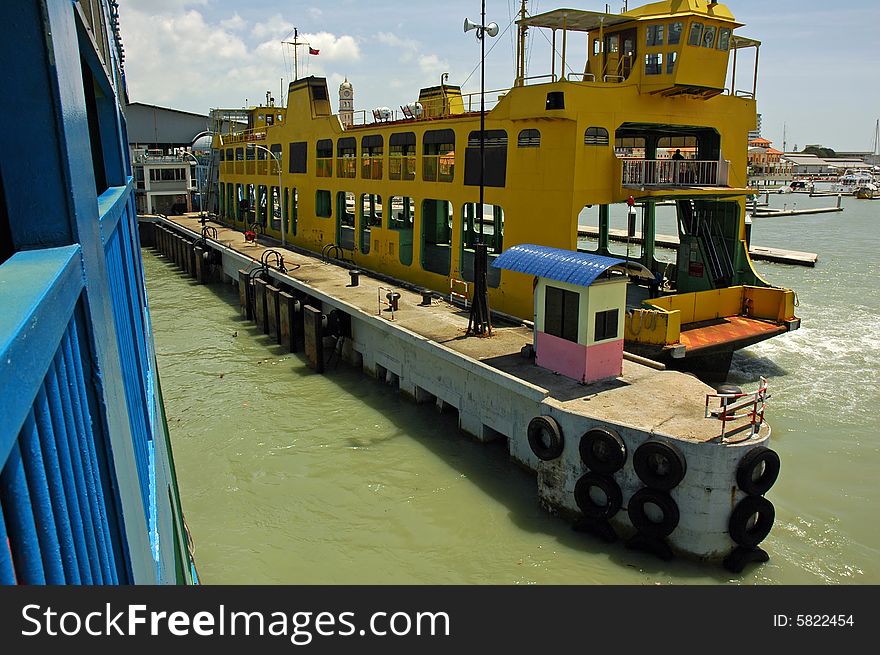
{"x": 578, "y": 362}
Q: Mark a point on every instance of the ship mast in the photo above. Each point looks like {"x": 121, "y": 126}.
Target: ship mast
{"x": 521, "y": 49}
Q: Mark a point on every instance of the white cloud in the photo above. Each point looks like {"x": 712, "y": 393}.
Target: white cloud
{"x": 334, "y": 48}
{"x": 432, "y": 64}
{"x": 315, "y": 13}
{"x": 276, "y": 27}
{"x": 234, "y": 23}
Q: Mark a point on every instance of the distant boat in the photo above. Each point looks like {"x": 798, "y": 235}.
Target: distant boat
{"x": 854, "y": 179}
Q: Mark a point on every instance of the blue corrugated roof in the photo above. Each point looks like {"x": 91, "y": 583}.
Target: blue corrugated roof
{"x": 580, "y": 268}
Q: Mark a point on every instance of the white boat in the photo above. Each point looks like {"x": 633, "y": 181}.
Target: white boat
{"x": 854, "y": 179}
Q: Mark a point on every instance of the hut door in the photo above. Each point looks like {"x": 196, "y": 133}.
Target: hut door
{"x": 627, "y": 52}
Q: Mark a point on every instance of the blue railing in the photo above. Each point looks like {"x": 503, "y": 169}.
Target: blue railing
{"x": 56, "y": 522}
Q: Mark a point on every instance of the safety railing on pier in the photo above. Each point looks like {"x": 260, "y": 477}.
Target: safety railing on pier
{"x": 671, "y": 173}
{"x": 743, "y": 411}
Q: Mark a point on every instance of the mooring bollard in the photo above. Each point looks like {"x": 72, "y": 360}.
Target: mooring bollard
{"x": 427, "y": 297}
{"x": 354, "y": 275}
{"x": 393, "y": 298}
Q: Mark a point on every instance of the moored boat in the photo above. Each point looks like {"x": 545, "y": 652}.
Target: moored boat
{"x": 557, "y": 148}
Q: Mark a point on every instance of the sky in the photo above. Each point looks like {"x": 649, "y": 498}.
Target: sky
{"x": 818, "y": 82}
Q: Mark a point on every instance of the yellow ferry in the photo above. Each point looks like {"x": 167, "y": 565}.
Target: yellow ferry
{"x": 397, "y": 193}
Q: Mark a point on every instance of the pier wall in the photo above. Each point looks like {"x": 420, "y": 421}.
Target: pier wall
{"x": 492, "y": 404}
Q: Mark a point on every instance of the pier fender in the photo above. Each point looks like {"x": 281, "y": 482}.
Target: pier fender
{"x": 642, "y": 520}
{"x": 587, "y": 501}
{"x": 757, "y": 471}
{"x": 602, "y": 451}
{"x": 545, "y": 438}
{"x": 660, "y": 465}
{"x": 751, "y": 521}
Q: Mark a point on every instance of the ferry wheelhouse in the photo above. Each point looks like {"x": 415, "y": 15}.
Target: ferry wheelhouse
{"x": 398, "y": 193}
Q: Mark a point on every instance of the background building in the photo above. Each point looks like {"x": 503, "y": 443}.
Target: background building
{"x": 346, "y": 103}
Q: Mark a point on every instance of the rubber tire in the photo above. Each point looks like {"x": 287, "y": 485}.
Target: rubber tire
{"x": 610, "y": 441}
{"x": 747, "y": 465}
{"x": 548, "y": 425}
{"x": 739, "y": 517}
{"x": 641, "y": 521}
{"x": 642, "y": 464}
{"x": 586, "y": 504}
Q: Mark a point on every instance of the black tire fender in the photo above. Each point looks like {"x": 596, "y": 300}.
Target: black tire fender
{"x": 592, "y": 509}
{"x": 644, "y": 523}
{"x": 545, "y": 438}
{"x": 748, "y": 534}
{"x": 602, "y": 451}
{"x": 750, "y": 464}
{"x": 659, "y": 464}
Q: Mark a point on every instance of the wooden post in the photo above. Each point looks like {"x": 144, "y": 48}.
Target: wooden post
{"x": 313, "y": 332}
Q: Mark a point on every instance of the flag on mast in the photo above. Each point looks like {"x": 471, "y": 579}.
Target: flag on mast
{"x": 313, "y": 51}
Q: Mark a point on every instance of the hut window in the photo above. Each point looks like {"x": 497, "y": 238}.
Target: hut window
{"x": 561, "y": 308}
{"x": 724, "y": 39}
{"x": 675, "y": 30}
{"x": 606, "y": 325}
{"x": 670, "y": 63}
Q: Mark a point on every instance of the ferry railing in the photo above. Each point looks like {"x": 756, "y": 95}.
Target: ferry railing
{"x": 668, "y": 172}
{"x": 581, "y": 77}
{"x": 551, "y": 77}
{"x": 471, "y": 101}
{"x": 401, "y": 167}
{"x": 734, "y": 407}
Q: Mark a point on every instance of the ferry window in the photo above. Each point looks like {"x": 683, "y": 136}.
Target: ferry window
{"x": 654, "y": 63}
{"x": 606, "y": 325}
{"x": 239, "y": 154}
{"x": 613, "y": 40}
{"x": 270, "y": 119}
{"x": 709, "y": 36}
{"x": 371, "y": 216}
{"x": 291, "y": 208}
{"x": 276, "y": 216}
{"x": 655, "y": 35}
{"x": 561, "y": 309}
{"x": 275, "y": 149}
{"x": 724, "y": 39}
{"x": 299, "y": 157}
{"x": 438, "y": 156}
{"x": 322, "y": 204}
{"x": 675, "y": 30}
{"x": 437, "y": 236}
{"x": 494, "y": 156}
{"x": 371, "y": 157}
{"x": 319, "y": 92}
{"x": 324, "y": 157}
{"x": 492, "y": 220}
{"x": 529, "y": 139}
{"x": 345, "y": 220}
{"x": 696, "y": 35}
{"x": 261, "y": 154}
{"x": 229, "y": 155}
{"x": 596, "y": 136}
{"x": 346, "y": 151}
{"x": 222, "y": 155}
{"x": 401, "y": 218}
{"x": 597, "y": 47}
{"x": 670, "y": 62}
{"x": 402, "y": 156}
{"x": 249, "y": 152}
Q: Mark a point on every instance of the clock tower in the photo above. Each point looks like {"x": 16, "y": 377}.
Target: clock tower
{"x": 346, "y": 103}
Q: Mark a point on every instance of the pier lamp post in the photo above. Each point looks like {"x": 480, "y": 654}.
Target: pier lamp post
{"x": 276, "y": 156}
{"x": 480, "y": 321}
{"x": 202, "y": 186}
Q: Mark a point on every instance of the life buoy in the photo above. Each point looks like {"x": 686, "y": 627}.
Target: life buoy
{"x": 603, "y": 451}
{"x": 586, "y": 502}
{"x": 660, "y": 465}
{"x": 745, "y": 531}
{"x": 545, "y": 438}
{"x": 757, "y": 471}
{"x": 643, "y": 522}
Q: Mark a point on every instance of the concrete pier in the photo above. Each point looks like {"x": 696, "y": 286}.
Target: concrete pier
{"x": 498, "y": 393}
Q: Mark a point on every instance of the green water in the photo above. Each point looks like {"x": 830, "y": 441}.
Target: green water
{"x": 291, "y": 477}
